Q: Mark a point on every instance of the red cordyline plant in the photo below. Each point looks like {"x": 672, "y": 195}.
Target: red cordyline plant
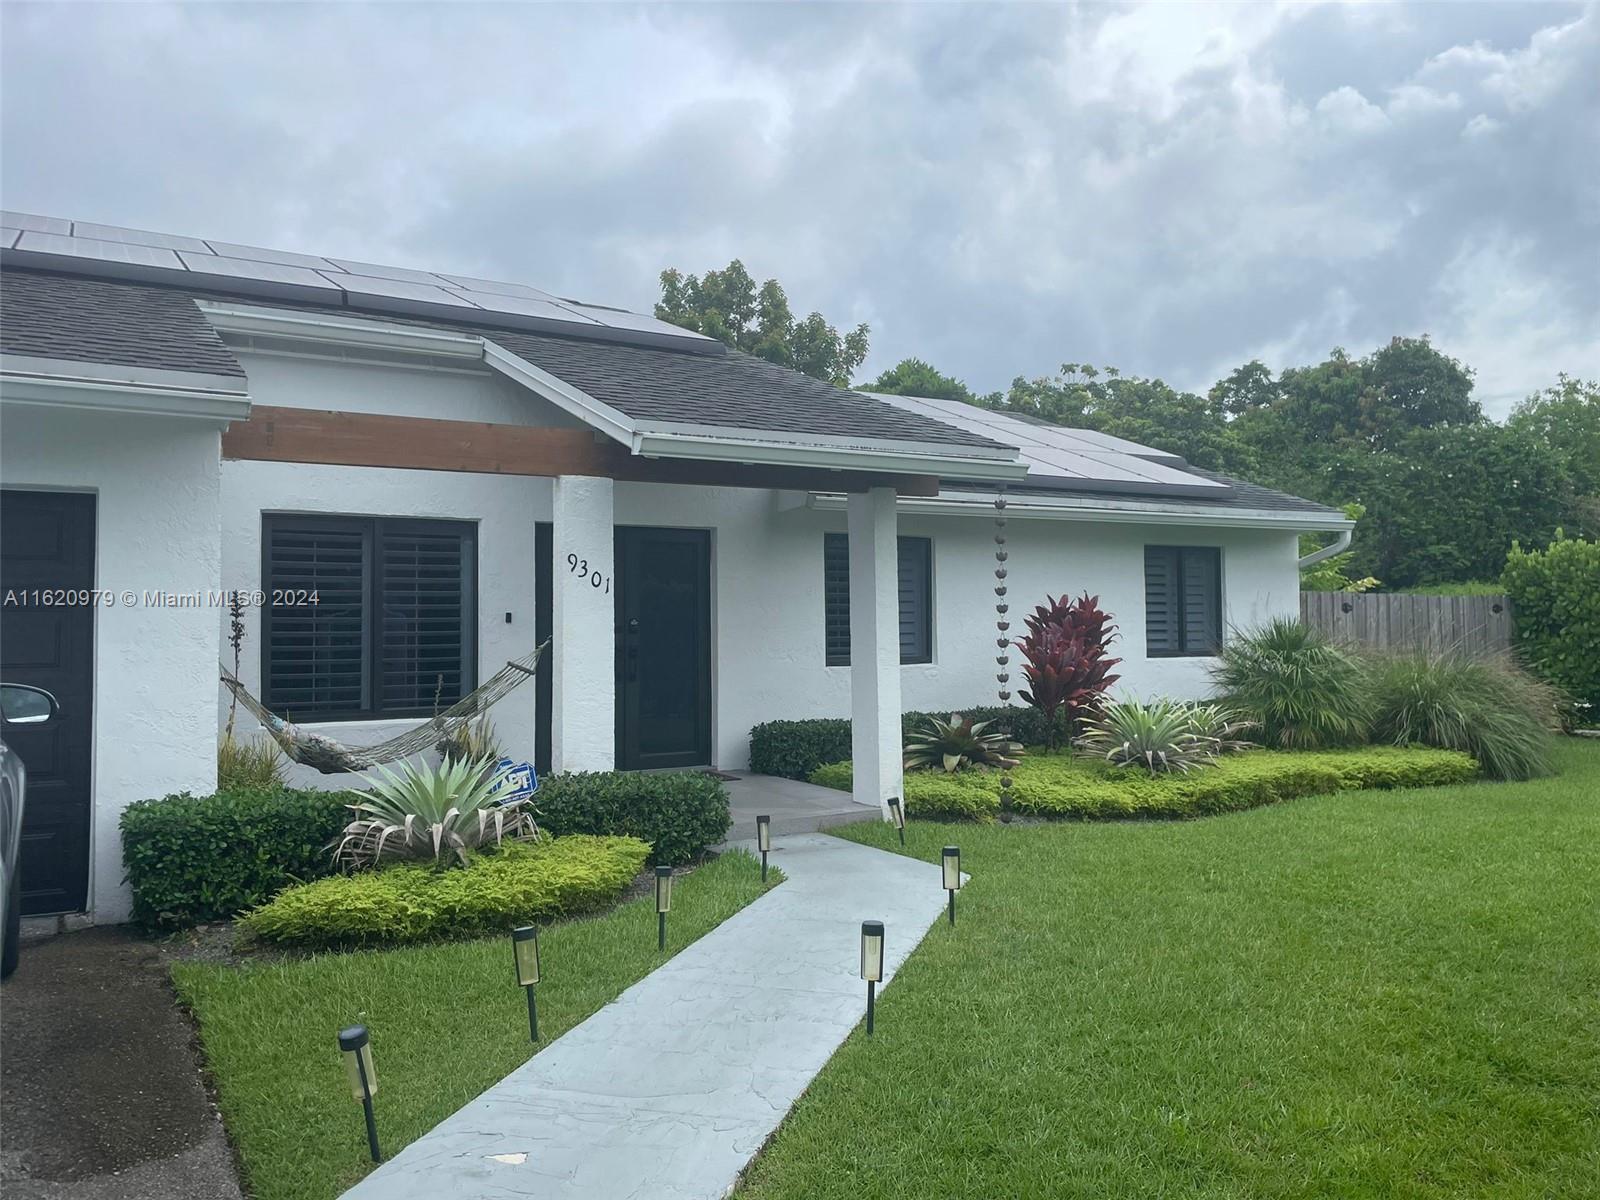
{"x": 1065, "y": 660}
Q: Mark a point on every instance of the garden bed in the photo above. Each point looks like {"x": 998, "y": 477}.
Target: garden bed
{"x": 447, "y": 1020}
{"x": 1062, "y": 786}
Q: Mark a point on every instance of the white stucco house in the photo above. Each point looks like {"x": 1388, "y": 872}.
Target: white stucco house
{"x": 424, "y": 475}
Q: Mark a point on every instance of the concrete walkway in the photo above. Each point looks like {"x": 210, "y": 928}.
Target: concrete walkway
{"x": 794, "y": 806}
{"x": 667, "y": 1093}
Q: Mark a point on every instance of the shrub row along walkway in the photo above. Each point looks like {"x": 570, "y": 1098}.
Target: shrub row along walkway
{"x": 670, "y": 1091}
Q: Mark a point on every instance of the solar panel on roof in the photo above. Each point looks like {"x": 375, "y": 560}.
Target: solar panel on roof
{"x": 376, "y": 271}
{"x": 1059, "y": 457}
{"x": 138, "y": 237}
{"x": 54, "y": 244}
{"x": 522, "y": 305}
{"x": 284, "y": 257}
{"x": 371, "y": 287}
{"x": 616, "y": 318}
{"x": 16, "y": 220}
{"x": 226, "y": 270}
{"x": 95, "y": 250}
{"x": 468, "y": 284}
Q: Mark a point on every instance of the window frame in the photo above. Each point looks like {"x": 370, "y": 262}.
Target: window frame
{"x": 1180, "y": 592}
{"x": 372, "y": 529}
{"x": 923, "y": 654}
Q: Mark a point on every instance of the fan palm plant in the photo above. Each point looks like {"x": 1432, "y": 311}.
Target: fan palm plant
{"x": 1298, "y": 688}
{"x": 957, "y": 743}
{"x": 437, "y": 813}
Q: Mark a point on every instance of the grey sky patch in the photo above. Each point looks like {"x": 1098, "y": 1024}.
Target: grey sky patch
{"x": 1170, "y": 190}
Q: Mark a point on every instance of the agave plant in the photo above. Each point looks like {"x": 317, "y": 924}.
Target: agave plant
{"x": 437, "y": 813}
{"x": 958, "y": 743}
{"x": 1158, "y": 737}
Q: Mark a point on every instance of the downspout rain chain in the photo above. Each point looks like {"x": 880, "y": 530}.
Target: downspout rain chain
{"x": 1002, "y": 641}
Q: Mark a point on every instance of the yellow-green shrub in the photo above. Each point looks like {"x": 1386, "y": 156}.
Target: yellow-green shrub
{"x": 516, "y": 884}
{"x": 1058, "y": 786}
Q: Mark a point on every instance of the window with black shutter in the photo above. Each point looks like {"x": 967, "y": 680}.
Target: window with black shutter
{"x": 367, "y": 617}
{"x": 1182, "y": 600}
{"x": 915, "y": 578}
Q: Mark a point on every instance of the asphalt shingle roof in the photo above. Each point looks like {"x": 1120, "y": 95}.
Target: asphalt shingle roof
{"x": 100, "y": 321}
{"x": 116, "y": 322}
{"x": 106, "y": 321}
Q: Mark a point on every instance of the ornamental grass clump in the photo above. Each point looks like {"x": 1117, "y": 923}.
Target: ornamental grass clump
{"x": 1486, "y": 707}
{"x": 957, "y": 744}
{"x": 1299, "y": 690}
{"x": 434, "y": 813}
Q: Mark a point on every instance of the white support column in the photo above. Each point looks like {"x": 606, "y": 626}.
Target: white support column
{"x": 875, "y": 648}
{"x": 583, "y": 626}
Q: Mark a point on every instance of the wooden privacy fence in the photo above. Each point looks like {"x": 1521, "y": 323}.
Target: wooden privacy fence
{"x": 1476, "y": 625}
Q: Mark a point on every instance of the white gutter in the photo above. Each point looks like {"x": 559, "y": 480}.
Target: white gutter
{"x": 647, "y": 439}
{"x": 1108, "y": 511}
{"x": 104, "y": 387}
{"x": 1340, "y": 545}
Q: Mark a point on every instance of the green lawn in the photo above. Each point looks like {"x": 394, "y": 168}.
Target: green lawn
{"x": 446, "y": 1020}
{"x": 1366, "y": 994}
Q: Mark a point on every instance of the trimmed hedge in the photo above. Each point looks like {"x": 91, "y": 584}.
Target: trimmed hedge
{"x": 207, "y": 858}
{"x": 794, "y": 749}
{"x": 513, "y": 885}
{"x": 678, "y": 814}
{"x": 1066, "y": 787}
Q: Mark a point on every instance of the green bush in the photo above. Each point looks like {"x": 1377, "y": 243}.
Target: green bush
{"x": 1058, "y": 786}
{"x": 1300, "y": 690}
{"x": 207, "y": 858}
{"x": 1555, "y": 605}
{"x": 517, "y": 883}
{"x": 1491, "y": 710}
{"x": 679, "y": 814}
{"x": 794, "y": 749}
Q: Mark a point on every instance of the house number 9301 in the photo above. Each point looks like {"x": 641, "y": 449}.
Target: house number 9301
{"x": 580, "y": 567}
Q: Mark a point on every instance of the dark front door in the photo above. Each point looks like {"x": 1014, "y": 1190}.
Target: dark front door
{"x": 663, "y": 648}
{"x": 47, "y": 548}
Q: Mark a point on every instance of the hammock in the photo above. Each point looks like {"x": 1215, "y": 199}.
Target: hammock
{"x": 333, "y": 758}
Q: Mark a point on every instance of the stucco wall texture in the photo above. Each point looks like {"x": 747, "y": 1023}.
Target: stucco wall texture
{"x": 767, "y": 594}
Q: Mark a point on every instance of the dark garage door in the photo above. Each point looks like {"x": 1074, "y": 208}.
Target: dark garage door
{"x": 47, "y": 544}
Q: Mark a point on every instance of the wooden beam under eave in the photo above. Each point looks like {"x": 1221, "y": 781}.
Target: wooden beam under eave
{"x": 346, "y": 439}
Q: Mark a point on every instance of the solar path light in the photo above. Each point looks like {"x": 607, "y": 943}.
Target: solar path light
{"x": 525, "y": 953}
{"x": 357, "y": 1050}
{"x": 663, "y": 904}
{"x": 951, "y": 861}
{"x": 871, "y": 963}
{"x": 764, "y": 842}
{"x": 897, "y": 813}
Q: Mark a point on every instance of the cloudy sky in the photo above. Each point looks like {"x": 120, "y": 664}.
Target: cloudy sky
{"x": 1172, "y": 189}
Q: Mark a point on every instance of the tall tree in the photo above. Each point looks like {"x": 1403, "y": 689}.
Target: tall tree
{"x": 728, "y": 306}
{"x": 1565, "y": 420}
{"x": 913, "y": 377}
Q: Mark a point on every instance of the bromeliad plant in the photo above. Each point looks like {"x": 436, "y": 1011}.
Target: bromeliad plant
{"x": 438, "y": 814}
{"x": 957, "y": 743}
{"x": 1065, "y": 661}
